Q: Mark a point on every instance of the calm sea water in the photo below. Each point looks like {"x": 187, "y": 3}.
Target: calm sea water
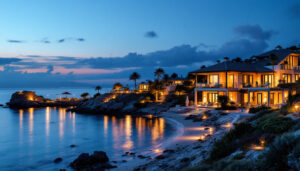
{"x": 31, "y": 139}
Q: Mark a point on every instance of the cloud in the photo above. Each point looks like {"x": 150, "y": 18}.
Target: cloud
{"x": 5, "y": 61}
{"x": 294, "y": 11}
{"x": 70, "y": 39}
{"x": 250, "y": 40}
{"x": 15, "y": 41}
{"x": 61, "y": 40}
{"x": 151, "y": 34}
{"x": 50, "y": 68}
{"x": 81, "y": 39}
{"x": 254, "y": 32}
{"x": 45, "y": 40}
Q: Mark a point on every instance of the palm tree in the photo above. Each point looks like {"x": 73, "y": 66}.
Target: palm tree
{"x": 166, "y": 78}
{"x": 174, "y": 76}
{"x": 158, "y": 73}
{"x": 156, "y": 87}
{"x": 84, "y": 95}
{"x": 117, "y": 86}
{"x": 98, "y": 88}
{"x": 218, "y": 61}
{"x": 66, "y": 93}
{"x": 226, "y": 60}
{"x": 134, "y": 76}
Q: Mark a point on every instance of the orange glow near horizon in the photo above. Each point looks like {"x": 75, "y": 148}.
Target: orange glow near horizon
{"x": 227, "y": 125}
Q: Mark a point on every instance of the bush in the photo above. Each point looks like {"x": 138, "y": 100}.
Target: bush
{"x": 295, "y": 127}
{"x": 237, "y": 165}
{"x": 238, "y": 156}
{"x": 227, "y": 144}
{"x": 258, "y": 109}
{"x": 275, "y": 158}
{"x": 274, "y": 124}
{"x": 260, "y": 114}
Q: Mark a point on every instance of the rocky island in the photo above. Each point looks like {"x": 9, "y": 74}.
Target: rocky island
{"x": 28, "y": 99}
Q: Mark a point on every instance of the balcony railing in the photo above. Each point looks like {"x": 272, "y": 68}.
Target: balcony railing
{"x": 217, "y": 85}
{"x": 234, "y": 85}
{"x": 256, "y": 85}
{"x": 285, "y": 67}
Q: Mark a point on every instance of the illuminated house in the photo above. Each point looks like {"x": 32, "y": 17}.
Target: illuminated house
{"x": 177, "y": 81}
{"x": 249, "y": 83}
{"x": 143, "y": 87}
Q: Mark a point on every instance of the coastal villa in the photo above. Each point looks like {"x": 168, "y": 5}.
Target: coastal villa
{"x": 143, "y": 87}
{"x": 253, "y": 82}
{"x": 177, "y": 81}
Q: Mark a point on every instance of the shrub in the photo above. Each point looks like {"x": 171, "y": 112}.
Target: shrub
{"x": 274, "y": 124}
{"x": 275, "y": 158}
{"x": 295, "y": 127}
{"x": 223, "y": 100}
{"x": 227, "y": 144}
{"x": 260, "y": 114}
{"x": 237, "y": 165}
{"x": 258, "y": 109}
{"x": 238, "y": 156}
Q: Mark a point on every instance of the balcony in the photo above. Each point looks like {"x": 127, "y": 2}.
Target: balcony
{"x": 217, "y": 85}
{"x": 285, "y": 67}
{"x": 256, "y": 85}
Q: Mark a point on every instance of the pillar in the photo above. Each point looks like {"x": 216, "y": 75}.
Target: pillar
{"x": 268, "y": 98}
{"x": 248, "y": 98}
{"x": 195, "y": 98}
{"x": 282, "y": 96}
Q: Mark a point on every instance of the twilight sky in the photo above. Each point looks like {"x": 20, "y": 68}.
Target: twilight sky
{"x": 52, "y": 43}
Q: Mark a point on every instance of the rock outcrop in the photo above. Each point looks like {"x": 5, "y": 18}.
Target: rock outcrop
{"x": 119, "y": 104}
{"x": 27, "y": 99}
{"x": 97, "y": 161}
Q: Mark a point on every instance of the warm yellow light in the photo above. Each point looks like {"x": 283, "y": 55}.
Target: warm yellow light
{"x": 204, "y": 117}
{"x": 296, "y": 107}
{"x": 227, "y": 125}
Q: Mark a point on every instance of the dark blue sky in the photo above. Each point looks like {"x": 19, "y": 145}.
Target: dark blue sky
{"x": 100, "y": 41}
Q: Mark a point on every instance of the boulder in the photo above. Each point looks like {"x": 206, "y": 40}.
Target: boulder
{"x": 57, "y": 160}
{"x": 97, "y": 161}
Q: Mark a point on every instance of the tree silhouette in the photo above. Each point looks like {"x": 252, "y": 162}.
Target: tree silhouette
{"x": 166, "y": 78}
{"x": 158, "y": 73}
{"x": 156, "y": 87}
{"x": 84, "y": 95}
{"x": 98, "y": 88}
{"x": 174, "y": 76}
{"x": 134, "y": 76}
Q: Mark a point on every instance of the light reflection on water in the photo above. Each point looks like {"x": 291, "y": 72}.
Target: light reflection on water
{"x": 47, "y": 133}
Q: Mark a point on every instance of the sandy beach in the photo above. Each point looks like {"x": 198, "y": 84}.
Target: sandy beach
{"x": 191, "y": 143}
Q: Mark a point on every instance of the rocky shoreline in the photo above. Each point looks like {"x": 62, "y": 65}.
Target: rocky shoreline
{"x": 193, "y": 145}
{"x": 121, "y": 104}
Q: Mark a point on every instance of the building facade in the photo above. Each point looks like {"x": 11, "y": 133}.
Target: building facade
{"x": 249, "y": 83}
